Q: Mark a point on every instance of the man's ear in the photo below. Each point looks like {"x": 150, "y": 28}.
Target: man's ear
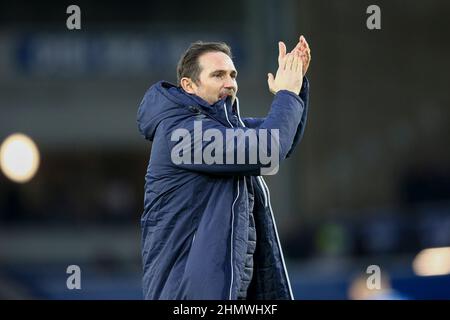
{"x": 188, "y": 85}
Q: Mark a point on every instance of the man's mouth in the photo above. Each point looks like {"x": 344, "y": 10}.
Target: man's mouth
{"x": 226, "y": 94}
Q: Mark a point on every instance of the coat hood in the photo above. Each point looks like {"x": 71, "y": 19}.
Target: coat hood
{"x": 164, "y": 100}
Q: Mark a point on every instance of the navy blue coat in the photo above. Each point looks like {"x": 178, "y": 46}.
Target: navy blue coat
{"x": 196, "y": 216}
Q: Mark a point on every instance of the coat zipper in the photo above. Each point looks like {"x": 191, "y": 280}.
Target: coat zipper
{"x": 266, "y": 196}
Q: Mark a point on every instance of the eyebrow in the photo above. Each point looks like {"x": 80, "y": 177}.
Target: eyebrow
{"x": 233, "y": 72}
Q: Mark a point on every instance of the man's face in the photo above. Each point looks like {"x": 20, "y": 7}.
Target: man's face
{"x": 217, "y": 77}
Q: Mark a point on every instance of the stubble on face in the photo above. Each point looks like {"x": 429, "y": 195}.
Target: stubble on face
{"x": 217, "y": 77}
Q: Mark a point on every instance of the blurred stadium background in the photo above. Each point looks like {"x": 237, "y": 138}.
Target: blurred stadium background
{"x": 369, "y": 185}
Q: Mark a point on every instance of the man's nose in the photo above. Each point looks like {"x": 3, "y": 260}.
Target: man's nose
{"x": 230, "y": 83}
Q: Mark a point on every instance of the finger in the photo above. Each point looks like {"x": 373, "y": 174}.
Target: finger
{"x": 300, "y": 67}
{"x": 297, "y": 47}
{"x": 301, "y": 40}
{"x": 284, "y": 61}
{"x": 304, "y": 59}
{"x": 294, "y": 61}
{"x": 299, "y": 63}
{"x": 306, "y": 45}
{"x": 289, "y": 60}
{"x": 281, "y": 51}
{"x": 302, "y": 48}
{"x": 270, "y": 81}
{"x": 308, "y": 54}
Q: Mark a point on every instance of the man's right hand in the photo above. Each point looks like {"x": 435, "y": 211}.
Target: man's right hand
{"x": 290, "y": 72}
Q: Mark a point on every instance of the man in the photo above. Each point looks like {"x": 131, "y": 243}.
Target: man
{"x": 208, "y": 230}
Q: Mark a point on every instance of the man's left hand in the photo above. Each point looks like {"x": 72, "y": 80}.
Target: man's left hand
{"x": 305, "y": 52}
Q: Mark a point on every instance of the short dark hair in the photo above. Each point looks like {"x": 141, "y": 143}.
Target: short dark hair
{"x": 188, "y": 65}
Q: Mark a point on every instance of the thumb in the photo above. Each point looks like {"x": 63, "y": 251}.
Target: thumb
{"x": 271, "y": 82}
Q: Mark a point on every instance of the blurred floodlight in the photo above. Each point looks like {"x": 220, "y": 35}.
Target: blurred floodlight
{"x": 432, "y": 262}
{"x": 19, "y": 158}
